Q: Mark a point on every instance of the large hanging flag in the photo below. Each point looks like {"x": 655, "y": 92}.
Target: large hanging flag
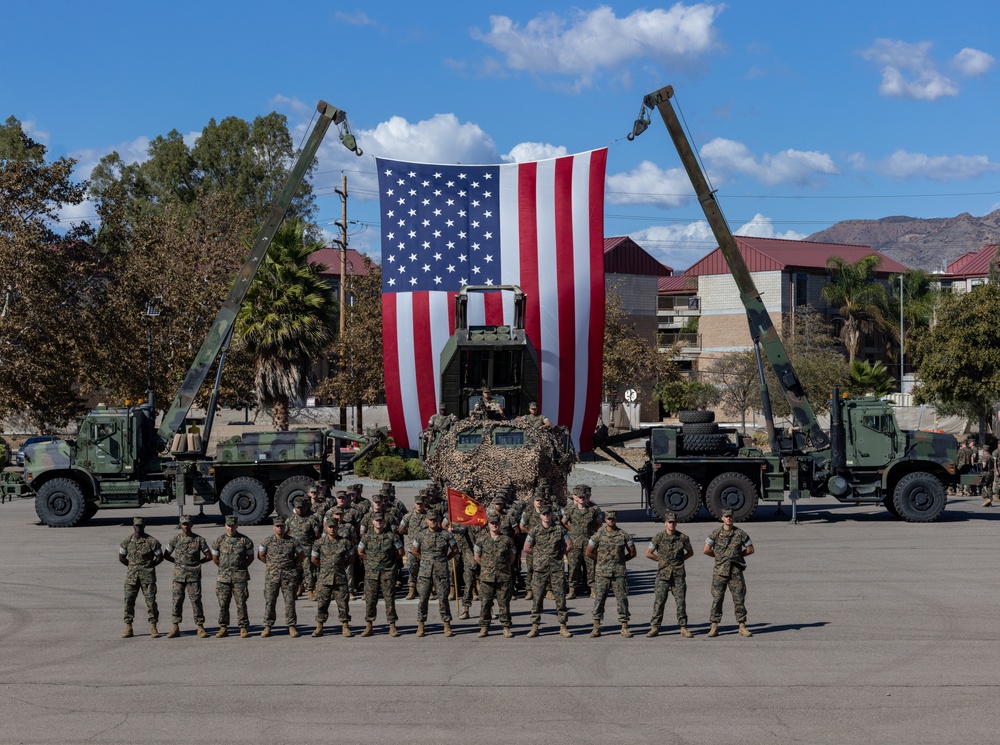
{"x": 464, "y": 510}
{"x": 539, "y": 225}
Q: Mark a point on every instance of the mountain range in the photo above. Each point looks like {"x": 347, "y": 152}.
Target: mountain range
{"x": 919, "y": 243}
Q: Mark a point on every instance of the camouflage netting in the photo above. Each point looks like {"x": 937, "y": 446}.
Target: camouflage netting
{"x": 488, "y": 467}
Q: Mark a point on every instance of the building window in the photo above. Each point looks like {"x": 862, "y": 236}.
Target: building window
{"x": 801, "y": 289}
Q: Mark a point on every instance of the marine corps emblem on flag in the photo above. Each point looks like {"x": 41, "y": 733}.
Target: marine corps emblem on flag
{"x": 464, "y": 510}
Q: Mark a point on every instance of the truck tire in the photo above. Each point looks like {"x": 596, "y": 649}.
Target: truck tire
{"x": 677, "y": 493}
{"x": 288, "y": 491}
{"x": 919, "y": 498}
{"x": 731, "y": 491}
{"x": 246, "y": 498}
{"x": 705, "y": 428}
{"x": 704, "y": 443}
{"x": 90, "y": 510}
{"x": 887, "y": 502}
{"x": 696, "y": 417}
{"x": 60, "y": 503}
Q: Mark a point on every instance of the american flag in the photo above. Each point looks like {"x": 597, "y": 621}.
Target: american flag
{"x": 539, "y": 225}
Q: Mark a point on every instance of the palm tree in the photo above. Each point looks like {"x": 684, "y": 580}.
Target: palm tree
{"x": 286, "y": 320}
{"x": 860, "y": 299}
{"x": 869, "y": 379}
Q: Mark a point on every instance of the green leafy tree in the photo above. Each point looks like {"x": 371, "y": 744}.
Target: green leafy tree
{"x": 958, "y": 360}
{"x": 738, "y": 382}
{"x": 869, "y": 379}
{"x": 685, "y": 395}
{"x": 860, "y": 299}
{"x": 286, "y": 321}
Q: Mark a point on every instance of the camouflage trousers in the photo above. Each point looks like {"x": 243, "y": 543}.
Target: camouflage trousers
{"x": 580, "y": 567}
{"x": 146, "y": 581}
{"x": 305, "y": 575}
{"x": 440, "y": 580}
{"x": 501, "y": 591}
{"x": 602, "y": 585}
{"x": 193, "y": 589}
{"x": 529, "y": 572}
{"x": 225, "y": 592}
{"x": 380, "y": 582}
{"x": 470, "y": 575}
{"x": 738, "y": 588}
{"x": 338, "y": 593}
{"x": 549, "y": 579}
{"x": 678, "y": 586}
{"x": 286, "y": 584}
{"x": 412, "y": 570}
{"x": 356, "y": 576}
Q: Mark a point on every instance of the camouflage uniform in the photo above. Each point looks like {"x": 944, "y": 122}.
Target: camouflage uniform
{"x": 380, "y": 550}
{"x": 466, "y": 536}
{"x": 333, "y": 555}
{"x": 143, "y": 553}
{"x": 414, "y": 525}
{"x": 306, "y": 529}
{"x": 611, "y": 546}
{"x": 728, "y": 546}
{"x": 434, "y": 546}
{"x": 530, "y": 519}
{"x": 548, "y": 545}
{"x": 986, "y": 485}
{"x": 583, "y": 523}
{"x": 187, "y": 553}
{"x": 495, "y": 580}
{"x": 282, "y": 556}
{"x": 671, "y": 576}
{"x": 235, "y": 554}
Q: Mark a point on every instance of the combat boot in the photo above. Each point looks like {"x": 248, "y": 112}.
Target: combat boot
{"x": 293, "y": 632}
{"x": 266, "y": 632}
{"x": 464, "y": 615}
{"x": 592, "y": 594}
{"x": 201, "y": 630}
{"x": 411, "y": 592}
{"x": 319, "y": 630}
{"x": 174, "y": 632}
{"x": 392, "y": 630}
{"x": 744, "y": 631}
{"x": 153, "y": 633}
{"x": 312, "y": 595}
{"x": 447, "y": 629}
{"x": 653, "y": 631}
{"x": 564, "y": 631}
{"x": 507, "y": 632}
{"x": 420, "y": 628}
{"x": 299, "y": 591}
{"x": 368, "y": 629}
{"x": 625, "y": 632}
{"x": 222, "y": 633}
{"x": 484, "y": 631}
{"x": 571, "y": 594}
{"x": 987, "y": 503}
{"x": 345, "y": 630}
{"x": 685, "y": 633}
{"x": 244, "y": 632}
{"x": 529, "y": 595}
{"x": 597, "y": 629}
{"x": 714, "y": 630}
{"x": 127, "y": 633}
{"x": 534, "y": 631}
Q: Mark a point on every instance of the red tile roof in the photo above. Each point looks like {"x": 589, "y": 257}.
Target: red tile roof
{"x": 973, "y": 263}
{"x": 776, "y": 254}
{"x": 622, "y": 255}
{"x": 330, "y": 257}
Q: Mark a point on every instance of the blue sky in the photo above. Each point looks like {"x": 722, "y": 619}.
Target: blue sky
{"x": 805, "y": 113}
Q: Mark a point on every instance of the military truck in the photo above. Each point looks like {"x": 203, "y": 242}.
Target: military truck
{"x": 478, "y": 454}
{"x": 120, "y": 459}
{"x": 866, "y": 458}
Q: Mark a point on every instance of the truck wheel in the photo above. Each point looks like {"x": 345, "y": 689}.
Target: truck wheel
{"x": 696, "y": 417}
{"x": 60, "y": 503}
{"x": 706, "y": 428}
{"x": 90, "y": 510}
{"x": 731, "y": 491}
{"x": 246, "y": 498}
{"x": 705, "y": 443}
{"x": 288, "y": 491}
{"x": 887, "y": 502}
{"x": 919, "y": 498}
{"x": 677, "y": 493}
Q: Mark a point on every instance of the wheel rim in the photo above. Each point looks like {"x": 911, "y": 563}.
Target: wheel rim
{"x": 732, "y": 498}
{"x": 60, "y": 504}
{"x": 244, "y": 503}
{"x": 676, "y": 499}
{"x": 921, "y": 499}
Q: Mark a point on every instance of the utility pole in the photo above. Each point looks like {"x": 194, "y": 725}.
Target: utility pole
{"x": 342, "y": 191}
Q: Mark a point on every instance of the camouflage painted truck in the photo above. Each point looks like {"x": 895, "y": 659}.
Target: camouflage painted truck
{"x": 866, "y": 457}
{"x": 120, "y": 459}
{"x": 479, "y": 455}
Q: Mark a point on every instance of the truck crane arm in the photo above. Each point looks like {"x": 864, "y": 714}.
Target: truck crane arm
{"x": 762, "y": 330}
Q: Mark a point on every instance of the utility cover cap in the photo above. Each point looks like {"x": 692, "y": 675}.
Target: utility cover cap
{"x": 138, "y": 520}
{"x": 279, "y": 520}
{"x": 727, "y": 513}
{"x": 231, "y": 520}
{"x": 185, "y": 520}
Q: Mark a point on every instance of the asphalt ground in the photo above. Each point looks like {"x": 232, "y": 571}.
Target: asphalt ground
{"x": 866, "y": 629}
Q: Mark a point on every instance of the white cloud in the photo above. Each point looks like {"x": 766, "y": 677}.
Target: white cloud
{"x": 132, "y": 151}
{"x": 294, "y": 104}
{"x": 599, "y": 40}
{"x": 357, "y": 18}
{"x": 904, "y": 166}
{"x": 908, "y": 71}
{"x": 972, "y": 62}
{"x": 31, "y": 129}
{"x": 647, "y": 183}
{"x": 796, "y": 167}
{"x": 763, "y": 227}
{"x": 677, "y": 246}
{"x": 525, "y": 152}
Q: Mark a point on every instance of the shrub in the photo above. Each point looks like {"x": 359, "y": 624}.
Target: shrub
{"x": 387, "y": 468}
{"x": 415, "y": 470}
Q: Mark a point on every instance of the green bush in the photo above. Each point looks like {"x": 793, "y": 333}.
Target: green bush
{"x": 363, "y": 466}
{"x": 387, "y": 468}
{"x": 415, "y": 470}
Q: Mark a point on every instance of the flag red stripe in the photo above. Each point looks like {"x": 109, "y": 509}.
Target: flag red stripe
{"x": 390, "y": 361}
{"x": 528, "y": 241}
{"x": 451, "y": 312}
{"x": 494, "y": 308}
{"x": 563, "y": 209}
{"x": 595, "y": 365}
{"x": 426, "y": 385}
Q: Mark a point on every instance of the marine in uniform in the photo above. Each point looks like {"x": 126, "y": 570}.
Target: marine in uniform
{"x": 140, "y": 553}
{"x": 282, "y": 554}
{"x": 306, "y": 528}
{"x": 548, "y": 542}
{"x": 413, "y": 526}
{"x": 332, "y": 555}
{"x": 610, "y": 548}
{"x": 531, "y": 517}
{"x": 582, "y": 519}
{"x": 232, "y": 553}
{"x": 433, "y": 548}
{"x": 379, "y": 548}
{"x": 187, "y": 552}
{"x": 729, "y": 545}
{"x": 494, "y": 554}
{"x": 670, "y": 549}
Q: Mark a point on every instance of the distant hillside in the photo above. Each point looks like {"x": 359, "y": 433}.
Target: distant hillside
{"x": 918, "y": 243}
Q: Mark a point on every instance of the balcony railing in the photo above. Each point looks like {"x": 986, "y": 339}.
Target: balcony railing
{"x": 687, "y": 341}
{"x": 685, "y": 302}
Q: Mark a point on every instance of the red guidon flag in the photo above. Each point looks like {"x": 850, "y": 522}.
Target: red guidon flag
{"x": 464, "y": 510}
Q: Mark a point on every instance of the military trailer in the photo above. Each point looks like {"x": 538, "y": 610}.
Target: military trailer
{"x": 121, "y": 459}
{"x": 866, "y": 458}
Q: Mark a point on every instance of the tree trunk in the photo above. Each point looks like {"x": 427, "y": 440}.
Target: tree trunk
{"x": 279, "y": 414}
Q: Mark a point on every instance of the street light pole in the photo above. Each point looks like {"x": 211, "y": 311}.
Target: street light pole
{"x": 152, "y": 311}
{"x": 901, "y": 333}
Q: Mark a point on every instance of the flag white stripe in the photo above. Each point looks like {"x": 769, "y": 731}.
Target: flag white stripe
{"x": 548, "y": 290}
